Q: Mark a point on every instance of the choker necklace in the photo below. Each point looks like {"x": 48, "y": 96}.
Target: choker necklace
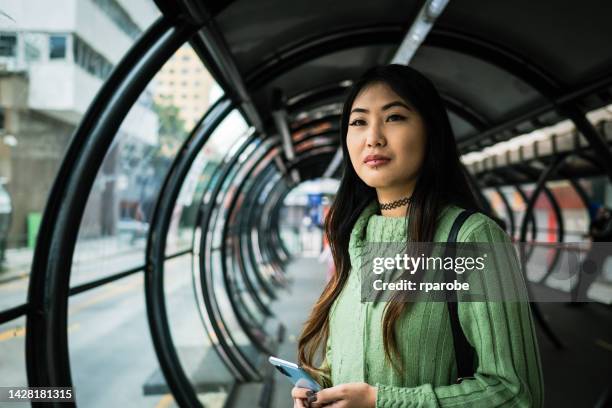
{"x": 394, "y": 204}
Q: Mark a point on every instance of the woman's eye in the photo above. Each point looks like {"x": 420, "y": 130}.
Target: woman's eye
{"x": 357, "y": 122}
{"x": 393, "y": 118}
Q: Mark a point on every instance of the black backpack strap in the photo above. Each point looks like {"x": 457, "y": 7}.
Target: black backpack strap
{"x": 464, "y": 352}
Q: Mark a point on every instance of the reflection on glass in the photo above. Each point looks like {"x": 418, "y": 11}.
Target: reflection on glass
{"x": 51, "y": 67}
{"x": 205, "y": 370}
{"x": 114, "y": 229}
{"x": 199, "y": 178}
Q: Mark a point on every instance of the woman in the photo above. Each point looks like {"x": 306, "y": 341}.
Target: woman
{"x": 404, "y": 183}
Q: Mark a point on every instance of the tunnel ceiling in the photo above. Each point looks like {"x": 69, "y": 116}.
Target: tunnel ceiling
{"x": 502, "y": 67}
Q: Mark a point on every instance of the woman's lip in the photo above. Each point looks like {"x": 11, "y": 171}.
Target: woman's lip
{"x": 375, "y": 157}
{"x": 376, "y": 162}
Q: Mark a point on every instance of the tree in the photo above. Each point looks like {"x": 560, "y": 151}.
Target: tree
{"x": 171, "y": 129}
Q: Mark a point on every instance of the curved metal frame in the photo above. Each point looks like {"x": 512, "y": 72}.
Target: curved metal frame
{"x": 47, "y": 353}
{"x": 230, "y": 198}
{"x": 504, "y": 200}
{"x": 248, "y": 221}
{"x": 453, "y": 104}
{"x": 558, "y": 216}
{"x": 266, "y": 172}
{"x": 210, "y": 323}
{"x": 260, "y": 234}
{"x": 170, "y": 364}
{"x": 509, "y": 61}
{"x": 501, "y": 57}
{"x": 277, "y": 242}
{"x": 224, "y": 342}
{"x": 270, "y": 219}
{"x": 532, "y": 220}
{"x": 214, "y": 198}
{"x": 272, "y": 222}
{"x": 523, "y": 237}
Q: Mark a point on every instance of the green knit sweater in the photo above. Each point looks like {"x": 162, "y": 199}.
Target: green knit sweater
{"x": 508, "y": 371}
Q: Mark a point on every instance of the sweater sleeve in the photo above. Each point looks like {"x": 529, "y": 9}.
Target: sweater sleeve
{"x": 508, "y": 371}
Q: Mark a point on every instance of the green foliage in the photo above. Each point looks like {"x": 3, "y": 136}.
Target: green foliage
{"x": 171, "y": 128}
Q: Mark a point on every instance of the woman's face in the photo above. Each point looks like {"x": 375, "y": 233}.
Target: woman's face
{"x": 385, "y": 139}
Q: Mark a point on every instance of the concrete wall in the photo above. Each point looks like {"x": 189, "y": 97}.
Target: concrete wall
{"x": 35, "y": 161}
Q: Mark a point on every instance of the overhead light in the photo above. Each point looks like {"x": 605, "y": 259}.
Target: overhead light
{"x": 418, "y": 31}
{"x": 435, "y": 8}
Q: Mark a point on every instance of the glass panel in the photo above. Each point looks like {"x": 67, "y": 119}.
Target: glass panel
{"x": 232, "y": 324}
{"x": 242, "y": 297}
{"x": 198, "y": 179}
{"x": 41, "y": 104}
{"x": 108, "y": 334}
{"x": 12, "y": 357}
{"x": 214, "y": 240}
{"x": 251, "y": 213}
{"x": 205, "y": 370}
{"x": 114, "y": 229}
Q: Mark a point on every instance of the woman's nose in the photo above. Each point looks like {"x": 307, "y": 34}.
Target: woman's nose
{"x": 375, "y": 138}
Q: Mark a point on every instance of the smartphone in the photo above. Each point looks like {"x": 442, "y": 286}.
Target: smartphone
{"x": 295, "y": 373}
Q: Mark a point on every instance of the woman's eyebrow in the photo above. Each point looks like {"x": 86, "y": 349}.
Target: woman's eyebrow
{"x": 385, "y": 107}
{"x": 396, "y": 103}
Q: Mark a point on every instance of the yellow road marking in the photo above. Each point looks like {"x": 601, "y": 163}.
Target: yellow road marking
{"x": 111, "y": 292}
{"x": 165, "y": 401}
{"x": 11, "y": 333}
{"x": 20, "y": 332}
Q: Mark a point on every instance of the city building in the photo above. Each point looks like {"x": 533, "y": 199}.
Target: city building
{"x": 52, "y": 64}
{"x": 184, "y": 83}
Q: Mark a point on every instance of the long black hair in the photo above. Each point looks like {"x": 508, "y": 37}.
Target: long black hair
{"x": 441, "y": 181}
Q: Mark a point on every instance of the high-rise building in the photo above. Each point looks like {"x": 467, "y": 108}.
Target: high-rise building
{"x": 183, "y": 82}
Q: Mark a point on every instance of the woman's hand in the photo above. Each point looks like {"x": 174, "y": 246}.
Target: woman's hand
{"x": 351, "y": 395}
{"x": 302, "y": 397}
